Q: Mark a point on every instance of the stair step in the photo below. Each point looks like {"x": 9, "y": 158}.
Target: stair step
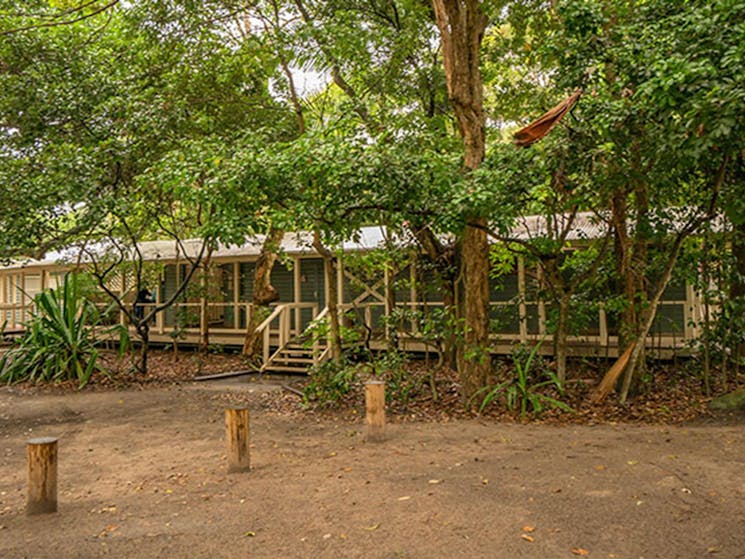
{"x": 285, "y": 369}
{"x": 299, "y": 360}
{"x": 296, "y": 352}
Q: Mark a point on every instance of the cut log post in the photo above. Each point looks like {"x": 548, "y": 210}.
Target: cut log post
{"x": 237, "y": 433}
{"x": 41, "y": 495}
{"x": 375, "y": 410}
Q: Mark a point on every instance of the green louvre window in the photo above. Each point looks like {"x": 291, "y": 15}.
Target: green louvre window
{"x": 669, "y": 320}
{"x": 312, "y": 287}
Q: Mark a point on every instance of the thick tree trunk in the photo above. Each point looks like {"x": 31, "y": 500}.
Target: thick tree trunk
{"x": 461, "y": 24}
{"x": 264, "y": 293}
{"x": 477, "y": 358}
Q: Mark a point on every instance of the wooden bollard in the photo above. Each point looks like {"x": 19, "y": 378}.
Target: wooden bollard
{"x": 375, "y": 410}
{"x": 238, "y": 439}
{"x": 41, "y": 490}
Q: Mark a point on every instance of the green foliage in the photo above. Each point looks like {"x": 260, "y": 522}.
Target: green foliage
{"x": 330, "y": 382}
{"x": 401, "y": 382}
{"x": 437, "y": 327}
{"x": 60, "y": 339}
{"x": 523, "y": 390}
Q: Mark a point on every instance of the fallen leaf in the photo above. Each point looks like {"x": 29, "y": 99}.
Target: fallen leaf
{"x": 249, "y": 534}
{"x": 372, "y": 527}
{"x": 527, "y": 538}
{"x": 406, "y": 498}
{"x": 632, "y": 462}
{"x": 580, "y": 551}
{"x": 600, "y": 467}
{"x": 713, "y": 549}
{"x": 484, "y": 481}
{"x": 434, "y": 481}
{"x": 528, "y": 528}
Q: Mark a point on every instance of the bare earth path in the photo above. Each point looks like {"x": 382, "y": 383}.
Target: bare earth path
{"x": 142, "y": 475}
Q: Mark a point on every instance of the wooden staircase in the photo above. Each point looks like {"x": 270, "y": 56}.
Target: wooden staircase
{"x": 294, "y": 358}
{"x": 294, "y": 353}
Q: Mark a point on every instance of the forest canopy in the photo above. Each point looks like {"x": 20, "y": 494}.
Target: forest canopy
{"x": 223, "y": 119}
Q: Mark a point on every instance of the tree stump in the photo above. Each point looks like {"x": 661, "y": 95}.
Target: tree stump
{"x": 41, "y": 491}
{"x": 375, "y": 410}
{"x": 237, "y": 433}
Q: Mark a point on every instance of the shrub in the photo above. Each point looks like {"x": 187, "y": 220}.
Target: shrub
{"x": 523, "y": 390}
{"x": 330, "y": 382}
{"x": 60, "y": 339}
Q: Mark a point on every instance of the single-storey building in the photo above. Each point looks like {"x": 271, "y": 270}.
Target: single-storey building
{"x": 369, "y": 297}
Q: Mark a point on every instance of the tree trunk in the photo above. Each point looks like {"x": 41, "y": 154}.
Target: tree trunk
{"x": 264, "y": 293}
{"x": 638, "y": 272}
{"x": 446, "y": 270}
{"x": 477, "y": 358}
{"x": 737, "y": 288}
{"x": 204, "y": 322}
{"x": 331, "y": 272}
{"x": 143, "y": 330}
{"x": 461, "y": 24}
{"x": 623, "y": 252}
{"x": 560, "y": 337}
{"x": 449, "y": 355}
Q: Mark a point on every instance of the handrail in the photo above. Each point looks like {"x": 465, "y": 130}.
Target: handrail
{"x": 320, "y": 315}
{"x": 277, "y": 310}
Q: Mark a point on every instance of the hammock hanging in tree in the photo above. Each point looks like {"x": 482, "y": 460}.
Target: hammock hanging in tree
{"x": 543, "y": 125}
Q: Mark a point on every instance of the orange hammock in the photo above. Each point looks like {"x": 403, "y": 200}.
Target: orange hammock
{"x": 543, "y": 125}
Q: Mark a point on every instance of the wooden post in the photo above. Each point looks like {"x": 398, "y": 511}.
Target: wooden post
{"x": 237, "y": 433}
{"x": 41, "y": 491}
{"x": 237, "y": 297}
{"x": 297, "y": 296}
{"x": 375, "y": 408}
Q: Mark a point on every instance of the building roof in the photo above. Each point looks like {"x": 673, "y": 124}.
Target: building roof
{"x": 585, "y": 225}
{"x": 293, "y": 244}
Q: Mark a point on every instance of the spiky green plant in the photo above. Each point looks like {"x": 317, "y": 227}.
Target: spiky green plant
{"x": 60, "y": 339}
{"x": 523, "y": 390}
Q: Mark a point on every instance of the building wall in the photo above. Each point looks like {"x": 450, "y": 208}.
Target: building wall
{"x": 516, "y": 312}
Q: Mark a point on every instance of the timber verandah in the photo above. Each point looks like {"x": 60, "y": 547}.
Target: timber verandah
{"x": 222, "y": 304}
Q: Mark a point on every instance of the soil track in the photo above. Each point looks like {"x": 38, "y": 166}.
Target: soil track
{"x": 142, "y": 474}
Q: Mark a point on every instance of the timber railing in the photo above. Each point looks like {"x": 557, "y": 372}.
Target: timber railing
{"x": 525, "y": 321}
{"x": 282, "y": 315}
{"x": 529, "y": 322}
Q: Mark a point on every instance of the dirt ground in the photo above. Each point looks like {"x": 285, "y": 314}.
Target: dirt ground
{"x": 142, "y": 473}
